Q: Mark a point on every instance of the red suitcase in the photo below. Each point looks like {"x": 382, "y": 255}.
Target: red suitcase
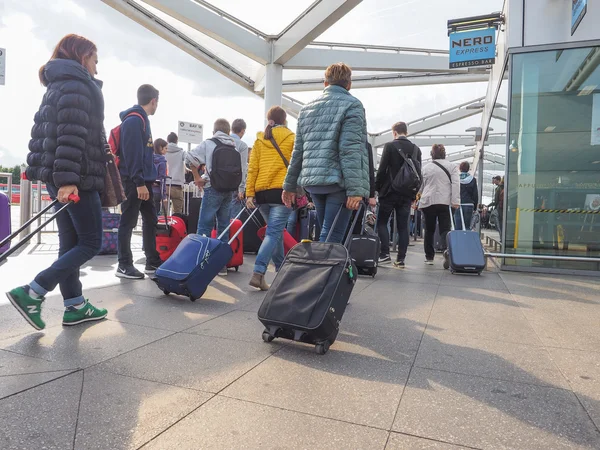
{"x": 288, "y": 241}
{"x": 237, "y": 245}
{"x": 170, "y": 232}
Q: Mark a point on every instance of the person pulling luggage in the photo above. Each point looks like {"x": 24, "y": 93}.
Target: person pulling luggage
{"x": 268, "y": 166}
{"x": 330, "y": 156}
{"x": 56, "y": 160}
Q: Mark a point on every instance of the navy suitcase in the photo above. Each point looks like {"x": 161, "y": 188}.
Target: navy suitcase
{"x": 309, "y": 295}
{"x": 309, "y": 226}
{"x": 465, "y": 252}
{"x": 195, "y": 263}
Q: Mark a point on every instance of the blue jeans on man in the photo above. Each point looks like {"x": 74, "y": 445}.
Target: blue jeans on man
{"x": 328, "y": 206}
{"x": 236, "y": 205}
{"x": 217, "y": 205}
{"x": 276, "y": 216}
{"x": 80, "y": 239}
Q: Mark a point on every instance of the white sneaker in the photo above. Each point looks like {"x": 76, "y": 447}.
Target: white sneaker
{"x": 429, "y": 262}
{"x": 223, "y": 272}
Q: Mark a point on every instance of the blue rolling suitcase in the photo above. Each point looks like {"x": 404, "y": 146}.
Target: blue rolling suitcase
{"x": 465, "y": 253}
{"x": 195, "y": 263}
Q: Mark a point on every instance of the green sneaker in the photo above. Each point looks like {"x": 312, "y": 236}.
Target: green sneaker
{"x": 30, "y": 308}
{"x": 89, "y": 313}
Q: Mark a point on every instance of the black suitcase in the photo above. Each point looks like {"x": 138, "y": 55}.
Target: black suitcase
{"x": 251, "y": 240}
{"x": 465, "y": 252}
{"x": 309, "y": 295}
{"x": 364, "y": 250}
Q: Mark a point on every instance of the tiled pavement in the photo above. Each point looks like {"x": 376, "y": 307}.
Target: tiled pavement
{"x": 424, "y": 360}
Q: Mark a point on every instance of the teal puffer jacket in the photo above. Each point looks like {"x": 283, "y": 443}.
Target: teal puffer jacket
{"x": 331, "y": 145}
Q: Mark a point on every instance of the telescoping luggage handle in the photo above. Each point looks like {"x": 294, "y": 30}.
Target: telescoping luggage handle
{"x": 354, "y": 222}
{"x": 233, "y": 238}
{"x": 72, "y": 199}
{"x": 462, "y": 217}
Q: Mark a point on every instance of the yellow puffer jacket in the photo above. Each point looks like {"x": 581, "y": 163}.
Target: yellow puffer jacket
{"x": 266, "y": 169}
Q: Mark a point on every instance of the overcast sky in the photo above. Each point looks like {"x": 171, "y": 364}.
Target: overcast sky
{"x": 130, "y": 55}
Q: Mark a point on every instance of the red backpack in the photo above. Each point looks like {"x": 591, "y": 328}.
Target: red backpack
{"x": 114, "y": 141}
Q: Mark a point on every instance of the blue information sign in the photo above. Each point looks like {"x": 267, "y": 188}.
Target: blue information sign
{"x": 473, "y": 48}
{"x": 578, "y": 10}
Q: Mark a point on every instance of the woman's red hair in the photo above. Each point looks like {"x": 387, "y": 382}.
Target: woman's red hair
{"x": 73, "y": 47}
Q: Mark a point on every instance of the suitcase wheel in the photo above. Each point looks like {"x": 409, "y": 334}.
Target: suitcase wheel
{"x": 266, "y": 336}
{"x": 322, "y": 348}
{"x": 446, "y": 260}
{"x": 166, "y": 292}
{"x": 237, "y": 268}
{"x": 192, "y": 298}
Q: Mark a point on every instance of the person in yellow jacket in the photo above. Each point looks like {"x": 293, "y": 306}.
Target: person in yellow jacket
{"x": 269, "y": 161}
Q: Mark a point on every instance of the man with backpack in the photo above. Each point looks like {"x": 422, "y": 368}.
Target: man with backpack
{"x": 132, "y": 142}
{"x": 398, "y": 181}
{"x": 222, "y": 178}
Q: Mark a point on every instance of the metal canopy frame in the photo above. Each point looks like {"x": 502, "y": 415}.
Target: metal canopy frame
{"x": 295, "y": 48}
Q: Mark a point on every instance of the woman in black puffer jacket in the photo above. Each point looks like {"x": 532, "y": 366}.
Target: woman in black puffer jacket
{"x": 67, "y": 152}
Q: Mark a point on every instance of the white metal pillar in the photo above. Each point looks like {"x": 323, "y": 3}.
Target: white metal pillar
{"x": 273, "y": 86}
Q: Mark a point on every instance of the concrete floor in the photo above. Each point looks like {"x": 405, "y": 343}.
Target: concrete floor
{"x": 424, "y": 360}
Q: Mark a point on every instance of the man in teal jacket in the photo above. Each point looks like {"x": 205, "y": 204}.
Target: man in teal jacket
{"x": 330, "y": 157}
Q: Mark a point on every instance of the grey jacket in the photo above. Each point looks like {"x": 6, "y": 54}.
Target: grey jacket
{"x": 242, "y": 148}
{"x": 331, "y": 145}
{"x": 437, "y": 188}
{"x": 203, "y": 153}
{"x": 175, "y": 163}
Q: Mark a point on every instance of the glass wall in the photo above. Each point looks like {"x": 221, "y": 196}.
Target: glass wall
{"x": 552, "y": 198}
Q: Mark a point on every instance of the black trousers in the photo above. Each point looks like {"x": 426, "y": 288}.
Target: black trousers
{"x": 130, "y": 210}
{"x": 386, "y": 208}
{"x": 435, "y": 214}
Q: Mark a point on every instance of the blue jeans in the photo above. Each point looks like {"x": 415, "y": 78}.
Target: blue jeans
{"x": 468, "y": 213}
{"x": 276, "y": 217}
{"x": 217, "y": 205}
{"x": 327, "y": 206}
{"x": 292, "y": 223}
{"x": 80, "y": 239}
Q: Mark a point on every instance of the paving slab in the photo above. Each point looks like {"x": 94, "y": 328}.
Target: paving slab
{"x": 476, "y": 313}
{"x": 223, "y": 424}
{"x": 16, "y": 364}
{"x": 414, "y": 273}
{"x": 582, "y": 369}
{"x": 557, "y": 325}
{"x": 388, "y": 320}
{"x": 83, "y": 345}
{"x": 489, "y": 359}
{"x": 238, "y": 325}
{"x": 13, "y": 384}
{"x": 13, "y": 324}
{"x": 187, "y": 360}
{"x": 484, "y": 413}
{"x": 339, "y": 385}
{"x": 43, "y": 417}
{"x": 171, "y": 313}
{"x": 487, "y": 280}
{"x": 133, "y": 410}
{"x": 399, "y": 441}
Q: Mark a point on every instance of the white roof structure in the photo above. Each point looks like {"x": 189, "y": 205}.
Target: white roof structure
{"x": 195, "y": 25}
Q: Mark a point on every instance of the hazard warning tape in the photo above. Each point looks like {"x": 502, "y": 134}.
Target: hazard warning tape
{"x": 560, "y": 211}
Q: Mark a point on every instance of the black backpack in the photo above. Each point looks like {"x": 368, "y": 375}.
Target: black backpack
{"x": 407, "y": 181}
{"x": 226, "y": 172}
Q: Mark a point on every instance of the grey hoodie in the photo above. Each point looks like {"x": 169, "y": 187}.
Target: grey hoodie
{"x": 175, "y": 162}
{"x": 203, "y": 153}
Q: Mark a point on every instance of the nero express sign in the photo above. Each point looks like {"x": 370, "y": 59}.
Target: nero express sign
{"x": 472, "y": 48}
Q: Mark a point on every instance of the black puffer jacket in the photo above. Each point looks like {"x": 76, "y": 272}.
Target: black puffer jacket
{"x": 67, "y": 145}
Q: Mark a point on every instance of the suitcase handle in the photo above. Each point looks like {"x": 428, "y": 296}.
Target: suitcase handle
{"x": 234, "y": 237}
{"x": 72, "y": 199}
{"x": 337, "y": 216}
{"x": 462, "y": 217}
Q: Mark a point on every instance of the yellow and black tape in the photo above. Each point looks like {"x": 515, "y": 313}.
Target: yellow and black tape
{"x": 560, "y": 211}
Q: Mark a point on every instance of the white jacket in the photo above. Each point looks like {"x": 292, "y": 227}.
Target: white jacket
{"x": 436, "y": 188}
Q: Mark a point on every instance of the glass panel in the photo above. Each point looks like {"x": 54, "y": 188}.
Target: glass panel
{"x": 553, "y": 186}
